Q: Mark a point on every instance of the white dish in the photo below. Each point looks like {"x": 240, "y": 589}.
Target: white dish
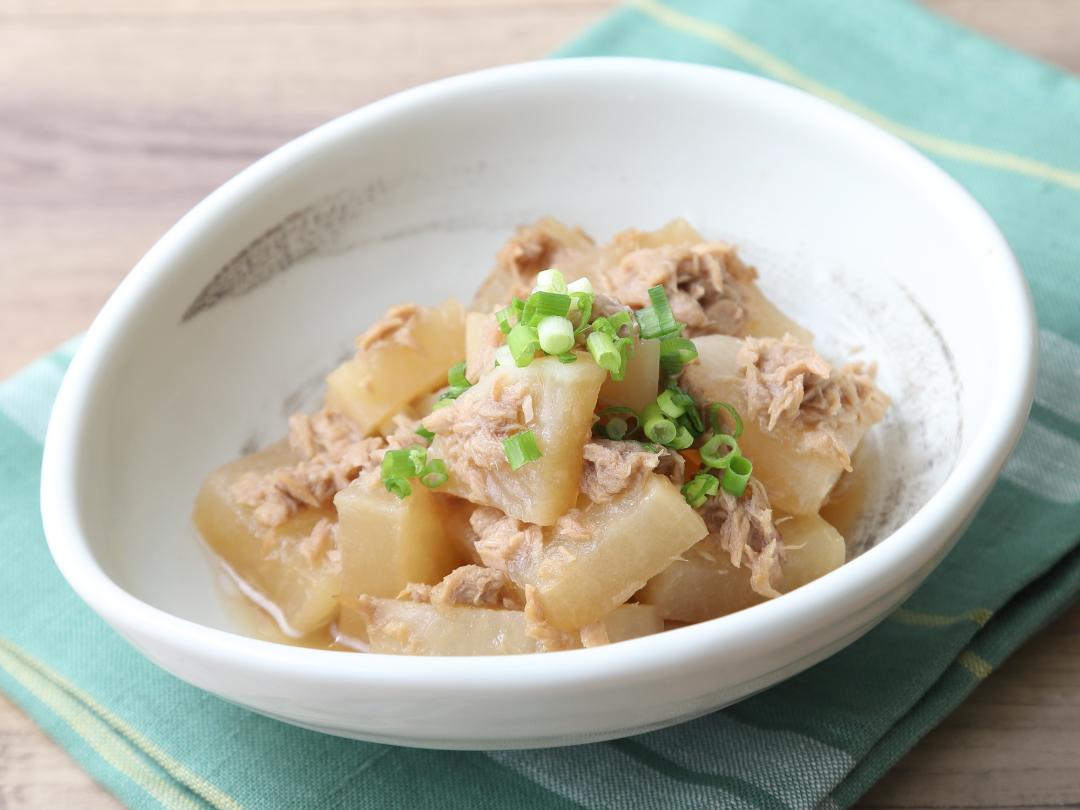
{"x": 197, "y": 356}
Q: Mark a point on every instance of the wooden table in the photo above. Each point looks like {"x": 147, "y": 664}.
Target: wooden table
{"x": 116, "y": 116}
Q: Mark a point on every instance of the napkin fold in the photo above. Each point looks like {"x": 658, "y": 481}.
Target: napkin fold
{"x": 1007, "y": 128}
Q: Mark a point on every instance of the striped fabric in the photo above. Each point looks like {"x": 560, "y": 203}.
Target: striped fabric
{"x": 1006, "y": 127}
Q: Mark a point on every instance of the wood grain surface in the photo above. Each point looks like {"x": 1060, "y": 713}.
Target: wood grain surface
{"x": 117, "y": 116}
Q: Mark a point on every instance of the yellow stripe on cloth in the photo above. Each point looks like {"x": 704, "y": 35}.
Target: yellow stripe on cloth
{"x": 975, "y": 664}
{"x": 97, "y": 734}
{"x": 979, "y": 616}
{"x": 779, "y": 69}
{"x": 122, "y": 735}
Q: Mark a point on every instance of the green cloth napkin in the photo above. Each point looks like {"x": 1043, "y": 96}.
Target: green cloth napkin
{"x": 1009, "y": 129}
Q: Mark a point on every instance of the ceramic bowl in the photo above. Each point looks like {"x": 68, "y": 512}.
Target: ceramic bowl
{"x": 230, "y": 322}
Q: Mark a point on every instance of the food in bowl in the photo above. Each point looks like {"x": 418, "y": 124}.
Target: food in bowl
{"x": 612, "y": 440}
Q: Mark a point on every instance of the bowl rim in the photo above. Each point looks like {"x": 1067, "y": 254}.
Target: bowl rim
{"x": 909, "y": 552}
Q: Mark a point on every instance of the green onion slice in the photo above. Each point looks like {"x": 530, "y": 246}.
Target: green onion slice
{"x": 619, "y": 320}
{"x": 675, "y": 353}
{"x": 556, "y": 334}
{"x": 542, "y": 304}
{"x": 656, "y": 425}
{"x": 435, "y": 474}
{"x": 397, "y": 464}
{"x": 711, "y": 455}
{"x": 671, "y": 404}
{"x": 456, "y": 376}
{"x": 524, "y": 343}
{"x": 398, "y": 486}
{"x": 582, "y": 285}
{"x": 625, "y": 346}
{"x": 714, "y": 418}
{"x": 568, "y": 357}
{"x": 737, "y": 475}
{"x": 602, "y": 348}
{"x": 520, "y": 449}
{"x": 657, "y": 320}
{"x": 583, "y": 303}
{"x": 551, "y": 280}
{"x": 699, "y": 489}
{"x": 425, "y": 433}
{"x": 683, "y": 438}
{"x": 604, "y": 327}
{"x": 618, "y": 422}
{"x": 503, "y": 317}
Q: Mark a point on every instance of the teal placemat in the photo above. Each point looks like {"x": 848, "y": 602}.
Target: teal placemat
{"x": 1009, "y": 129}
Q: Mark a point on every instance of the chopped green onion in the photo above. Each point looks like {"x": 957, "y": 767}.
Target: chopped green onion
{"x": 689, "y": 423}
{"x": 602, "y": 348}
{"x": 624, "y": 347}
{"x": 397, "y": 464}
{"x": 656, "y": 425}
{"x": 568, "y": 357}
{"x": 520, "y": 449}
{"x": 435, "y": 474}
{"x": 683, "y": 439}
{"x": 397, "y": 468}
{"x": 657, "y": 321}
{"x": 503, "y": 317}
{"x": 699, "y": 489}
{"x": 697, "y": 425}
{"x": 581, "y": 286}
{"x": 550, "y": 281}
{"x": 711, "y": 455}
{"x": 737, "y": 475}
{"x": 418, "y": 456}
{"x": 441, "y": 403}
{"x": 670, "y": 404}
{"x": 425, "y": 433}
{"x": 454, "y": 392}
{"x": 582, "y": 302}
{"x": 619, "y": 320}
{"x": 676, "y": 352}
{"x": 541, "y": 304}
{"x": 524, "y": 344}
{"x": 556, "y": 334}
{"x": 459, "y": 384}
{"x": 614, "y": 415}
{"x": 398, "y": 486}
{"x": 503, "y": 356}
{"x": 604, "y": 327}
{"x": 456, "y": 377}
{"x": 714, "y": 418}
{"x": 616, "y": 428}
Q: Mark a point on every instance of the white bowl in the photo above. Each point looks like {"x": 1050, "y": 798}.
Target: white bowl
{"x": 230, "y": 321}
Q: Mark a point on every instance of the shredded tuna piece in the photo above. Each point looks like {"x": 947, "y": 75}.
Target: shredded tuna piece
{"x": 325, "y": 431}
{"x": 471, "y": 434}
{"x": 502, "y": 539}
{"x": 482, "y": 359}
{"x": 476, "y": 586}
{"x": 673, "y": 466}
{"x": 746, "y": 531}
{"x": 612, "y": 467}
{"x": 532, "y": 248}
{"x": 787, "y": 381}
{"x": 571, "y": 527}
{"x": 320, "y": 542}
{"x": 701, "y": 282}
{"x": 548, "y": 638}
{"x": 416, "y": 592}
{"x": 332, "y": 456}
{"x": 396, "y": 324}
{"x": 404, "y": 433}
{"x": 594, "y": 635}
